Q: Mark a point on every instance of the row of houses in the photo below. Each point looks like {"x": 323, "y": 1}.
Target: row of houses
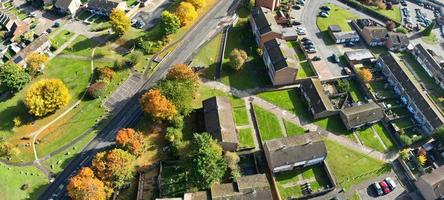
{"x": 432, "y": 63}
{"x": 99, "y": 7}
{"x": 13, "y": 26}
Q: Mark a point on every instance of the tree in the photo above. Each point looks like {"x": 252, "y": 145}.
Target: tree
{"x": 381, "y": 5}
{"x": 154, "y": 103}
{"x": 115, "y": 168}
{"x": 13, "y": 77}
{"x": 422, "y": 160}
{"x": 120, "y": 23}
{"x": 205, "y": 161}
{"x": 343, "y": 85}
{"x": 427, "y": 31}
{"x": 390, "y": 25}
{"x": 85, "y": 186}
{"x": 182, "y": 72}
{"x": 404, "y": 154}
{"x": 365, "y": 75}
{"x": 389, "y": 6}
{"x": 130, "y": 140}
{"x": 233, "y": 164}
{"x": 135, "y": 57}
{"x": 238, "y": 58}
{"x": 96, "y": 90}
{"x": 36, "y": 61}
{"x": 7, "y": 149}
{"x": 439, "y": 134}
{"x": 406, "y": 140}
{"x": 46, "y": 96}
{"x": 186, "y": 13}
{"x": 105, "y": 74}
{"x": 169, "y": 22}
{"x": 198, "y": 4}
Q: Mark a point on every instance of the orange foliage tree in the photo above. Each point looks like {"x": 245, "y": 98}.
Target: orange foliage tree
{"x": 114, "y": 168}
{"x": 365, "y": 75}
{"x": 85, "y": 186}
{"x": 154, "y": 103}
{"x": 182, "y": 72}
{"x": 130, "y": 140}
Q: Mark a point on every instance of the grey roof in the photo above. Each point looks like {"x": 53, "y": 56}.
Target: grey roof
{"x": 345, "y": 35}
{"x": 334, "y": 28}
{"x": 315, "y": 92}
{"x": 376, "y": 31}
{"x": 37, "y": 43}
{"x": 435, "y": 180}
{"x": 399, "y": 38}
{"x": 366, "y": 22}
{"x": 281, "y": 55}
{"x": 107, "y": 5}
{"x": 294, "y": 149}
{"x": 219, "y": 119}
{"x": 432, "y": 64}
{"x": 200, "y": 195}
{"x": 63, "y": 3}
{"x": 362, "y": 114}
{"x": 359, "y": 55}
{"x": 264, "y": 20}
{"x": 249, "y": 187}
{"x": 413, "y": 89}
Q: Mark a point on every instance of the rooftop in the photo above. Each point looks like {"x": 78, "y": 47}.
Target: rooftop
{"x": 281, "y": 55}
{"x": 219, "y": 119}
{"x": 264, "y": 20}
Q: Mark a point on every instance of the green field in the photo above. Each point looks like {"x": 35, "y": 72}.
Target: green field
{"x": 246, "y": 138}
{"x": 368, "y": 138}
{"x": 293, "y": 129}
{"x": 338, "y": 16}
{"x": 13, "y": 179}
{"x": 60, "y": 39}
{"x": 207, "y": 56}
{"x": 384, "y": 135}
{"x": 268, "y": 123}
{"x": 290, "y": 100}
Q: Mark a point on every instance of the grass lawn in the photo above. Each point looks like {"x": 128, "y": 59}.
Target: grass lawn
{"x": 356, "y": 92}
{"x": 207, "y": 56}
{"x": 269, "y": 127}
{"x": 81, "y": 46}
{"x": 368, "y": 138}
{"x": 60, "y": 39}
{"x": 15, "y": 177}
{"x": 246, "y": 138}
{"x": 290, "y": 100}
{"x": 173, "y": 182}
{"x": 305, "y": 69}
{"x": 334, "y": 124}
{"x": 338, "y": 16}
{"x": 254, "y": 73}
{"x": 403, "y": 123}
{"x": 430, "y": 39}
{"x": 384, "y": 135}
{"x": 350, "y": 167}
{"x": 293, "y": 129}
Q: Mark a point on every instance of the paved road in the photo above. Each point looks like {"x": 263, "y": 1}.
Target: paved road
{"x": 129, "y": 115}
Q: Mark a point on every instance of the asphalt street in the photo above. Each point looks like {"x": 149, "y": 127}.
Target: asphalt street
{"x": 131, "y": 112}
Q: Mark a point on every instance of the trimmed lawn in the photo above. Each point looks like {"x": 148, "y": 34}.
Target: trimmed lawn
{"x": 269, "y": 127}
{"x": 368, "y": 138}
{"x": 293, "y": 129}
{"x": 351, "y": 167}
{"x": 246, "y": 138}
{"x": 384, "y": 135}
{"x": 14, "y": 177}
{"x": 207, "y": 56}
{"x": 60, "y": 39}
{"x": 305, "y": 69}
{"x": 338, "y": 16}
{"x": 430, "y": 39}
{"x": 290, "y": 100}
{"x": 355, "y": 92}
{"x": 334, "y": 124}
{"x": 81, "y": 46}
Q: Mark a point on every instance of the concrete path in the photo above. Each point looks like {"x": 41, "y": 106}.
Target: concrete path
{"x": 66, "y": 44}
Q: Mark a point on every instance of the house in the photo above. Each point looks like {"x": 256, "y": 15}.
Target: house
{"x": 219, "y": 122}
{"x": 374, "y": 34}
{"x": 264, "y": 26}
{"x": 287, "y": 153}
{"x": 270, "y": 4}
{"x": 40, "y": 45}
{"x": 397, "y": 41}
{"x": 12, "y": 24}
{"x": 431, "y": 63}
{"x": 425, "y": 113}
{"x": 431, "y": 186}
{"x": 318, "y": 102}
{"x": 357, "y": 116}
{"x": 359, "y": 57}
{"x": 246, "y": 187}
{"x": 104, "y": 7}
{"x": 280, "y": 61}
{"x": 342, "y": 37}
{"x": 69, "y": 7}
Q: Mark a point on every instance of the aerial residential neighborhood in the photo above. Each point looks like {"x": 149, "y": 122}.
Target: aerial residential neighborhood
{"x": 221, "y": 99}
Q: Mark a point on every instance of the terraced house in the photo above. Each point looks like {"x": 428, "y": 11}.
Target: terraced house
{"x": 373, "y": 33}
{"x": 264, "y": 26}
{"x": 281, "y": 64}
{"x": 426, "y": 114}
{"x": 13, "y": 26}
{"x": 431, "y": 63}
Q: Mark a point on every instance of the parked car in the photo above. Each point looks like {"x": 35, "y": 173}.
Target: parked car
{"x": 349, "y": 44}
{"x": 391, "y": 183}
{"x": 296, "y": 7}
{"x": 326, "y": 8}
{"x": 305, "y": 39}
{"x": 307, "y": 42}
{"x": 377, "y": 189}
{"x": 296, "y": 23}
{"x": 323, "y": 14}
{"x": 385, "y": 187}
{"x": 335, "y": 58}
{"x": 316, "y": 58}
{"x": 312, "y": 50}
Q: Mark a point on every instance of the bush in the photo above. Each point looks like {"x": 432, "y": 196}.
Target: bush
{"x": 406, "y": 140}
{"x": 96, "y": 90}
{"x": 135, "y": 57}
{"x": 17, "y": 121}
{"x": 120, "y": 63}
{"x": 149, "y": 47}
{"x": 105, "y": 73}
{"x": 401, "y": 30}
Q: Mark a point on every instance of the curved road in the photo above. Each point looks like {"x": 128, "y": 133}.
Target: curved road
{"x": 131, "y": 112}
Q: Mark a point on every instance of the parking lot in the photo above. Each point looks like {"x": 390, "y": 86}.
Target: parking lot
{"x": 370, "y": 193}
{"x": 150, "y": 14}
{"x": 412, "y": 7}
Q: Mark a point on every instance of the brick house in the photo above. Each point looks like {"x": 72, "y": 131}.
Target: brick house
{"x": 69, "y": 7}
{"x": 431, "y": 185}
{"x": 318, "y": 102}
{"x": 397, "y": 41}
{"x": 374, "y": 34}
{"x": 264, "y": 26}
{"x": 12, "y": 24}
{"x": 270, "y": 4}
{"x": 280, "y": 61}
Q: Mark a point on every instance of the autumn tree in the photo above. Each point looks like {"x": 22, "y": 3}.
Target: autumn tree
{"x": 105, "y": 74}
{"x": 130, "y": 140}
{"x": 422, "y": 160}
{"x": 365, "y": 75}
{"x": 238, "y": 57}
{"x": 85, "y": 186}
{"x": 36, "y": 61}
{"x": 13, "y": 77}
{"x": 96, "y": 90}
{"x": 120, "y": 23}
{"x": 46, "y": 96}
{"x": 154, "y": 103}
{"x": 7, "y": 149}
{"x": 205, "y": 161}
{"x": 169, "y": 22}
{"x": 186, "y": 13}
{"x": 390, "y": 25}
{"x": 197, "y": 3}
{"x": 380, "y": 4}
{"x": 115, "y": 168}
{"x": 182, "y": 72}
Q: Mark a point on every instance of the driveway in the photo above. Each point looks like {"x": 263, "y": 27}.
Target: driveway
{"x": 150, "y": 14}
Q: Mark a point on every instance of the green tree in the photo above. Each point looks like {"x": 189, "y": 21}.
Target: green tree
{"x": 169, "y": 22}
{"x": 120, "y": 23}
{"x": 427, "y": 31}
{"x": 13, "y": 77}
{"x": 205, "y": 161}
{"x": 439, "y": 134}
{"x": 180, "y": 93}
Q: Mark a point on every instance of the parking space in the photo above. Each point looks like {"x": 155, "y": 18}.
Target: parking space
{"x": 370, "y": 193}
{"x": 149, "y": 15}
{"x": 416, "y": 15}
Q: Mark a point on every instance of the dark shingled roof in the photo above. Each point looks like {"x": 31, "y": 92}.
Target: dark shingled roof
{"x": 280, "y": 54}
{"x": 362, "y": 114}
{"x": 435, "y": 180}
{"x": 399, "y": 38}
{"x": 334, "y": 28}
{"x": 433, "y": 64}
{"x": 377, "y": 31}
{"x": 254, "y": 187}
{"x": 219, "y": 119}
{"x": 294, "y": 149}
{"x": 315, "y": 92}
{"x": 23, "y": 54}
{"x": 264, "y": 20}
{"x": 413, "y": 89}
{"x": 107, "y": 5}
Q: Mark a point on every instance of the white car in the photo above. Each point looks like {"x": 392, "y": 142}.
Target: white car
{"x": 391, "y": 183}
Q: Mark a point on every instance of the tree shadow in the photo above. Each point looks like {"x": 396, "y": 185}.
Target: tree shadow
{"x": 36, "y": 192}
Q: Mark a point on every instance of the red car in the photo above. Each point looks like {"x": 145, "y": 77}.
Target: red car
{"x": 385, "y": 187}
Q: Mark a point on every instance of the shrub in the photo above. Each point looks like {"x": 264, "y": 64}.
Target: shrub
{"x": 105, "y": 73}
{"x": 406, "y": 140}
{"x": 17, "y": 121}
{"x": 46, "y": 96}
{"x": 238, "y": 57}
{"x": 135, "y": 57}
{"x": 96, "y": 90}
